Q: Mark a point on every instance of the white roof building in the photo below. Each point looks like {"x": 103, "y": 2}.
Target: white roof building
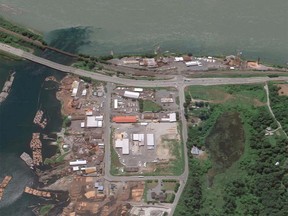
{"x": 131, "y": 94}
{"x": 74, "y": 92}
{"x": 138, "y": 89}
{"x": 124, "y": 144}
{"x": 115, "y": 103}
{"x": 178, "y": 59}
{"x": 94, "y": 121}
{"x": 75, "y": 86}
{"x": 135, "y": 137}
{"x": 167, "y": 100}
{"x": 192, "y": 63}
{"x": 78, "y": 162}
{"x": 84, "y": 92}
{"x": 75, "y": 168}
{"x": 171, "y": 118}
{"x": 150, "y": 141}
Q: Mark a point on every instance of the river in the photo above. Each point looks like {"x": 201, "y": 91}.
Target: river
{"x": 29, "y": 92}
{"x": 258, "y": 28}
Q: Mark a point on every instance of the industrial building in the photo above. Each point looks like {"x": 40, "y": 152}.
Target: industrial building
{"x": 178, "y": 59}
{"x": 94, "y": 121}
{"x": 77, "y": 162}
{"x": 125, "y": 119}
{"x": 166, "y": 100}
{"x": 124, "y": 144}
{"x": 171, "y": 117}
{"x": 138, "y": 89}
{"x": 130, "y": 94}
{"x": 139, "y": 138}
{"x": 115, "y": 103}
{"x": 150, "y": 141}
{"x": 193, "y": 63}
{"x": 75, "y": 86}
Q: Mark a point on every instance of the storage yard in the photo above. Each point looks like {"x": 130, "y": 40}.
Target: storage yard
{"x": 143, "y": 128}
{"x": 141, "y": 138}
{"x": 142, "y": 147}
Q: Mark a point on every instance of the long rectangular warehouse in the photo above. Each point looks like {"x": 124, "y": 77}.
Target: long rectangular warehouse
{"x": 131, "y": 94}
{"x": 77, "y": 162}
{"x": 125, "y": 119}
{"x": 150, "y": 141}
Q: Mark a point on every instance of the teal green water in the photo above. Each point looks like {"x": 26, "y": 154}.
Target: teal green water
{"x": 258, "y": 28}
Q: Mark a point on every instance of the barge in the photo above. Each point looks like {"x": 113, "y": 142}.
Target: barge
{"x": 6, "y": 88}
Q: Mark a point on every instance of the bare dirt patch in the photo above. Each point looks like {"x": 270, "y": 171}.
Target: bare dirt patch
{"x": 168, "y": 131}
{"x": 64, "y": 95}
{"x": 283, "y": 89}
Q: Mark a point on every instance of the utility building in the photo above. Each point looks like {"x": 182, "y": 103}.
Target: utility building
{"x": 150, "y": 141}
{"x": 130, "y": 94}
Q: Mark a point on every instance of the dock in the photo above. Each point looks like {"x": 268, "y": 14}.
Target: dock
{"x": 4, "y": 184}
{"x": 39, "y": 193}
{"x": 27, "y": 159}
{"x": 7, "y": 87}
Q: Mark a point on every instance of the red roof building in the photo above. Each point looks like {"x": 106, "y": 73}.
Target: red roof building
{"x": 125, "y": 119}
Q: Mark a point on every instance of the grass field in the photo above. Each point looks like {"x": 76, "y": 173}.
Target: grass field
{"x": 251, "y": 94}
{"x": 150, "y": 106}
{"x": 151, "y": 184}
{"x": 170, "y": 186}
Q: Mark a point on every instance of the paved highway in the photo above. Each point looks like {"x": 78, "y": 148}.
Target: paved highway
{"x": 179, "y": 82}
{"x": 176, "y": 81}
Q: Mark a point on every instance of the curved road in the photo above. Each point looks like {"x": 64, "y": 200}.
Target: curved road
{"x": 178, "y": 82}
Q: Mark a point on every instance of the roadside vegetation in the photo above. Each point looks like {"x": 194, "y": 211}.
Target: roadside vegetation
{"x": 254, "y": 182}
{"x": 20, "y": 37}
{"x": 21, "y": 30}
{"x": 279, "y": 104}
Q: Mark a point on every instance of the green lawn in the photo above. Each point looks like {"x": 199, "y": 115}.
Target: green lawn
{"x": 232, "y": 93}
{"x": 150, "y": 184}
{"x": 150, "y": 106}
{"x": 170, "y": 186}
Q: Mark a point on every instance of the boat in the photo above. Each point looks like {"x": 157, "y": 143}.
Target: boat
{"x": 4, "y": 184}
{"x": 7, "y": 87}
